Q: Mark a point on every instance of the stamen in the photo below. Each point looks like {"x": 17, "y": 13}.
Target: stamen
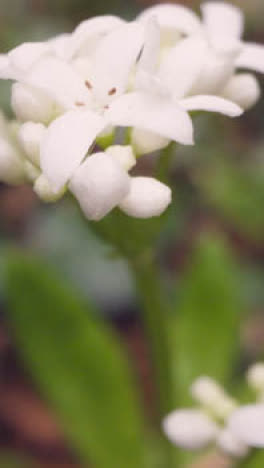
{"x": 88, "y": 84}
{"x": 112, "y": 91}
{"x": 79, "y": 103}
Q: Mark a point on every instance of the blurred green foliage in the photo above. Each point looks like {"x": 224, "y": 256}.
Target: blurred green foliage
{"x": 78, "y": 365}
{"x": 204, "y": 330}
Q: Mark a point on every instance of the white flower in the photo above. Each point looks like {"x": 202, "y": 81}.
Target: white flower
{"x": 212, "y": 52}
{"x": 157, "y": 104}
{"x": 197, "y": 428}
{"x": 247, "y": 422}
{"x": 30, "y": 136}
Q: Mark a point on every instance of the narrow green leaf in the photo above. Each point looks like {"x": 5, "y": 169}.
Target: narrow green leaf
{"x": 204, "y": 331}
{"x": 78, "y": 365}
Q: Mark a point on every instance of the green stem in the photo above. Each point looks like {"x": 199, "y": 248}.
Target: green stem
{"x": 164, "y": 162}
{"x": 155, "y": 313}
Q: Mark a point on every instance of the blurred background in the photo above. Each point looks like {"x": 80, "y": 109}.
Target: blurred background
{"x": 218, "y": 207}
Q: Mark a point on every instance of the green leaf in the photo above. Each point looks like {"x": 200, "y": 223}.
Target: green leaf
{"x": 77, "y": 363}
{"x": 205, "y": 330}
{"x": 255, "y": 460}
{"x": 8, "y": 460}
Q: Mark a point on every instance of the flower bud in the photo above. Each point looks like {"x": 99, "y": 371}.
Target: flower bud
{"x": 123, "y": 154}
{"x": 31, "y": 104}
{"x": 30, "y": 136}
{"x": 147, "y": 198}
{"x": 212, "y": 397}
{"x": 43, "y": 189}
{"x": 243, "y": 89}
{"x": 255, "y": 377}
{"x": 144, "y": 141}
{"x": 190, "y": 429}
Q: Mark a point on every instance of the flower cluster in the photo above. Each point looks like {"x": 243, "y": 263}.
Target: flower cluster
{"x": 219, "y": 419}
{"x": 72, "y": 92}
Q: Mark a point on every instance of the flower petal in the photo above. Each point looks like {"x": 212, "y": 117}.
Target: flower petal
{"x": 243, "y": 89}
{"x": 182, "y": 66}
{"x": 99, "y": 184}
{"x": 149, "y": 58}
{"x": 123, "y": 154}
{"x": 211, "y": 104}
{"x": 114, "y": 59}
{"x": 144, "y": 141}
{"x": 223, "y": 19}
{"x": 88, "y": 33}
{"x": 30, "y": 135}
{"x": 31, "y": 104}
{"x": 252, "y": 57}
{"x": 190, "y": 429}
{"x": 247, "y": 423}
{"x": 230, "y": 444}
{"x": 59, "y": 80}
{"x": 66, "y": 143}
{"x": 7, "y": 71}
{"x": 147, "y": 198}
{"x": 25, "y": 55}
{"x": 154, "y": 113}
{"x": 173, "y": 18}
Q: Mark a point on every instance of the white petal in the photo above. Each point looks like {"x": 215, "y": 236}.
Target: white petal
{"x": 230, "y": 444}
{"x": 25, "y": 55}
{"x": 223, "y": 19}
{"x": 149, "y": 58}
{"x": 31, "y": 104}
{"x": 11, "y": 164}
{"x": 216, "y": 71}
{"x": 213, "y": 397}
{"x": 147, "y": 198}
{"x": 243, "y": 89}
{"x": 7, "y": 71}
{"x": 145, "y": 142}
{"x": 66, "y": 143}
{"x": 182, "y": 65}
{"x": 60, "y": 45}
{"x": 173, "y": 18}
{"x": 30, "y": 136}
{"x": 123, "y": 154}
{"x": 99, "y": 184}
{"x": 252, "y": 57}
{"x": 44, "y": 190}
{"x": 211, "y": 104}
{"x": 190, "y": 429}
{"x": 154, "y": 113}
{"x": 60, "y": 81}
{"x": 88, "y": 33}
{"x": 247, "y": 423}
{"x": 114, "y": 59}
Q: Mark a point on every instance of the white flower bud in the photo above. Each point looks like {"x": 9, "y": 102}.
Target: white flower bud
{"x": 190, "y": 429}
{"x": 123, "y": 154}
{"x": 11, "y": 163}
{"x": 144, "y": 141}
{"x": 30, "y": 136}
{"x": 243, "y": 89}
{"x": 147, "y": 198}
{"x": 231, "y": 445}
{"x": 31, "y": 171}
{"x": 43, "y": 189}
{"x": 212, "y": 397}
{"x": 99, "y": 184}
{"x": 31, "y": 104}
{"x": 255, "y": 377}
